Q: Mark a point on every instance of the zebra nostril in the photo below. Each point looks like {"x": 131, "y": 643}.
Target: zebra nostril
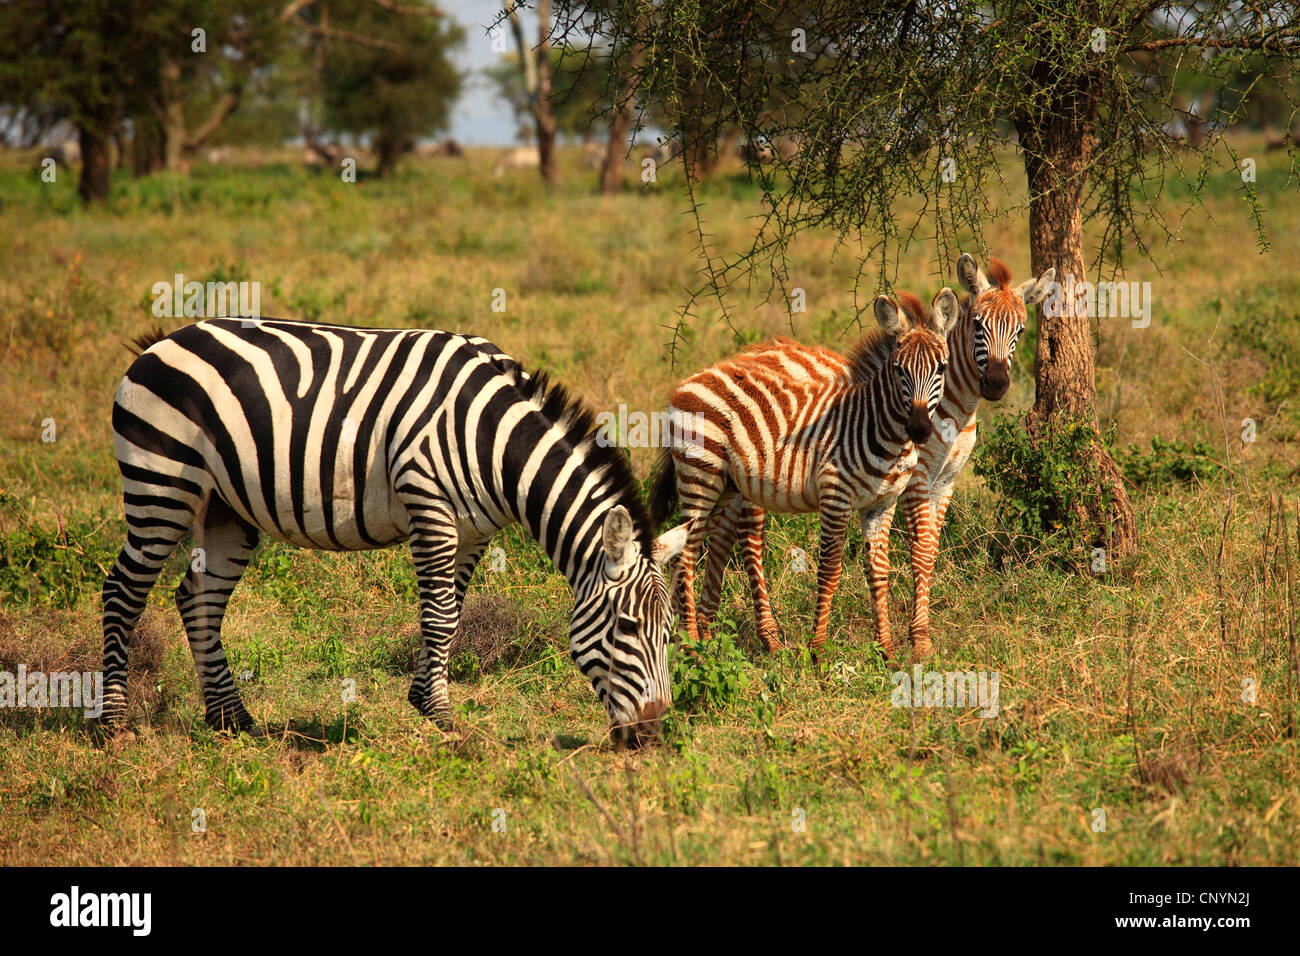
{"x": 652, "y": 710}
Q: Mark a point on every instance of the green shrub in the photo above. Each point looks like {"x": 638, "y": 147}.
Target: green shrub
{"x": 1169, "y": 462}
{"x": 708, "y": 674}
{"x": 1047, "y": 485}
{"x": 465, "y": 668}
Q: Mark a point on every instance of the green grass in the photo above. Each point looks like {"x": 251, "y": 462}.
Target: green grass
{"x": 1121, "y": 693}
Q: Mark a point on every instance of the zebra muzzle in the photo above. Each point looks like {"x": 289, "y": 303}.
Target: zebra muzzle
{"x": 919, "y": 426}
{"x": 996, "y": 380}
{"x": 646, "y": 728}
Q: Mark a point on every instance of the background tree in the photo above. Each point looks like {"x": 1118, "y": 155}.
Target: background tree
{"x": 535, "y": 78}
{"x": 202, "y": 76}
{"x": 397, "y": 85}
{"x": 579, "y": 91}
{"x": 892, "y": 98}
{"x": 83, "y": 62}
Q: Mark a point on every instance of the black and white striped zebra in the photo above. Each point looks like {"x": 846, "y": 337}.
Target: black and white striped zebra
{"x": 349, "y": 439}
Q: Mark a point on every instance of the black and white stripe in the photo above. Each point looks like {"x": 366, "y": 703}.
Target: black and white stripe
{"x": 349, "y": 439}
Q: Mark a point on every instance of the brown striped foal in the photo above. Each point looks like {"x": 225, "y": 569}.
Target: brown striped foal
{"x": 981, "y": 347}
{"x": 771, "y": 426}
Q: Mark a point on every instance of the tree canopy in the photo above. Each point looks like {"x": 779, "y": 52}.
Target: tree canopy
{"x": 912, "y": 98}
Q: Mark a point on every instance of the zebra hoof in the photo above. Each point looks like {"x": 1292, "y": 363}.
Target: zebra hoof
{"x": 233, "y": 719}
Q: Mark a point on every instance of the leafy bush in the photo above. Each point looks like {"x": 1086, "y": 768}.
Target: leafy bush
{"x": 1047, "y": 484}
{"x": 708, "y": 674}
{"x": 465, "y": 668}
{"x": 254, "y": 659}
{"x": 1170, "y": 461}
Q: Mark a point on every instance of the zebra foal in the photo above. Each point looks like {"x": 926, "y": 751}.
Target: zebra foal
{"x": 767, "y": 431}
{"x": 981, "y": 346}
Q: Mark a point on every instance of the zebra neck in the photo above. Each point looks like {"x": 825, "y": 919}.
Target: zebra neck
{"x": 961, "y": 381}
{"x": 564, "y": 509}
{"x": 884, "y": 411}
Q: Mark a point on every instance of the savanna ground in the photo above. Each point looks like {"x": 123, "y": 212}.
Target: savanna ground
{"x": 1127, "y": 692}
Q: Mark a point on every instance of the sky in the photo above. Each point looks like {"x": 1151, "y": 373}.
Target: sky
{"x": 480, "y": 117}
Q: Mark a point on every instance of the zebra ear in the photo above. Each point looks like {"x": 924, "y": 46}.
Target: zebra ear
{"x": 945, "y": 309}
{"x": 970, "y": 275}
{"x": 1035, "y": 291}
{"x": 669, "y": 544}
{"x": 616, "y": 536}
{"x": 889, "y": 315}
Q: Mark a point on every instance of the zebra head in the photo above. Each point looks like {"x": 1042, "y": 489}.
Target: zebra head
{"x": 621, "y": 628}
{"x": 920, "y": 353}
{"x": 998, "y": 314}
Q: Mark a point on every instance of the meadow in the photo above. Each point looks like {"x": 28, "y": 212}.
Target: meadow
{"x": 1146, "y": 713}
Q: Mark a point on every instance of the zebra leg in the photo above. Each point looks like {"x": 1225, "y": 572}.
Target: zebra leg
{"x": 434, "y": 548}
{"x": 752, "y": 523}
{"x": 226, "y": 542}
{"x": 702, "y": 491}
{"x": 150, "y": 541}
{"x": 925, "y": 516}
{"x": 686, "y": 575}
{"x": 876, "y": 523}
{"x": 722, "y": 538}
{"x": 467, "y": 560}
{"x": 830, "y": 556}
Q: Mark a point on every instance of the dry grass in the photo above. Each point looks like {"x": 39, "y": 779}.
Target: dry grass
{"x": 1123, "y": 693}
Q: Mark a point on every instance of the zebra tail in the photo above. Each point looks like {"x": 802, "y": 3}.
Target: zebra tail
{"x": 663, "y": 493}
{"x": 142, "y": 342}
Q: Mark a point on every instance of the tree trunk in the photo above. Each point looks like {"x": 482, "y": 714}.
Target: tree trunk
{"x": 96, "y": 170}
{"x": 171, "y": 114}
{"x": 226, "y": 104}
{"x": 146, "y": 145}
{"x": 611, "y": 170}
{"x": 387, "y": 153}
{"x": 544, "y": 111}
{"x": 1057, "y": 143}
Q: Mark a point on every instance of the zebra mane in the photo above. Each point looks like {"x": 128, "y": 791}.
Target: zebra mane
{"x": 868, "y": 355}
{"x": 999, "y": 274}
{"x": 556, "y": 403}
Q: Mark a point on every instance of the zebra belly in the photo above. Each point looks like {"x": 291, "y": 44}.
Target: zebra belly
{"x": 341, "y": 521}
{"x": 774, "y": 496}
{"x": 878, "y": 491}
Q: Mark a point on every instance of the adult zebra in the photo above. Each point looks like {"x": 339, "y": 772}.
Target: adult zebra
{"x": 349, "y": 439}
{"x": 761, "y": 431}
{"x": 982, "y": 346}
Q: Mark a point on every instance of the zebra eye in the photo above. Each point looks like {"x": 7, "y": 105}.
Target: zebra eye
{"x": 626, "y": 625}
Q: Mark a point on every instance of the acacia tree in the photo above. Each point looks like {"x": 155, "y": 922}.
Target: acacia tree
{"x": 922, "y": 98}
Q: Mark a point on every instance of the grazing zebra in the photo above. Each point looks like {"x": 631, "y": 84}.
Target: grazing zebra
{"x": 348, "y": 439}
{"x": 766, "y": 427}
{"x": 981, "y": 346}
